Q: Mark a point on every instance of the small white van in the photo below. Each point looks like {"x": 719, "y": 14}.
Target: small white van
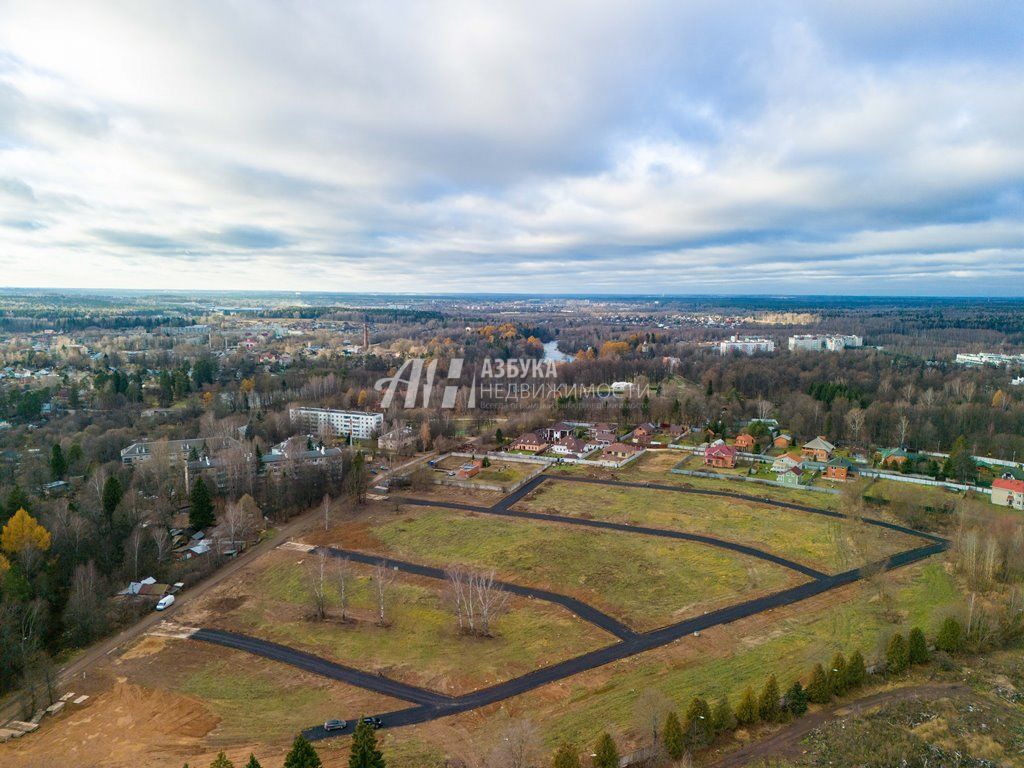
{"x": 165, "y": 602}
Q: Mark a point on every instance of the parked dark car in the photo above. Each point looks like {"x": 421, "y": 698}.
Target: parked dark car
{"x": 374, "y": 722}
{"x": 335, "y": 725}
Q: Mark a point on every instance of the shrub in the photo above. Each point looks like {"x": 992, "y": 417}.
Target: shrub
{"x": 606, "y": 754}
{"x": 795, "y": 700}
{"x": 722, "y": 717}
{"x": 837, "y": 681}
{"x": 856, "y": 671}
{"x": 897, "y": 655}
{"x": 746, "y": 710}
{"x": 917, "y": 650}
{"x": 672, "y": 737}
{"x": 768, "y": 704}
{"x": 950, "y": 638}
{"x": 698, "y": 724}
{"x": 567, "y": 757}
{"x": 818, "y": 690}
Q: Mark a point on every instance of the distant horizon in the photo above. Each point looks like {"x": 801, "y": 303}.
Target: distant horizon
{"x": 502, "y": 295}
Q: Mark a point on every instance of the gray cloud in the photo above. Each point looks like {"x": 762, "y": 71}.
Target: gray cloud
{"x": 525, "y": 146}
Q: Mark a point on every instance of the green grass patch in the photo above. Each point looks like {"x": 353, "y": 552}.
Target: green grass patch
{"x": 645, "y": 581}
{"x": 422, "y": 644}
{"x": 815, "y": 540}
{"x": 788, "y": 650}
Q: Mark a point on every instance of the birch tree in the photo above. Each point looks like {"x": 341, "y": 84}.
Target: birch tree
{"x": 383, "y": 578}
{"x": 316, "y": 579}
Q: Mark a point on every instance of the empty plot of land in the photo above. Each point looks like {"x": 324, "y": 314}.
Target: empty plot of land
{"x": 503, "y": 473}
{"x": 644, "y": 581}
{"x": 826, "y": 543}
{"x": 421, "y": 644}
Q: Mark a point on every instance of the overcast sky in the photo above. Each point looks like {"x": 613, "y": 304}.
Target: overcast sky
{"x": 865, "y": 147}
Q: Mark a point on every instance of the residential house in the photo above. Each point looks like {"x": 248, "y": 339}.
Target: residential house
{"x": 791, "y": 476}
{"x": 530, "y": 442}
{"x": 819, "y": 449}
{"x": 569, "y": 446}
{"x": 839, "y": 469}
{"x": 782, "y": 441}
{"x": 556, "y": 432}
{"x": 786, "y": 462}
{"x": 176, "y": 451}
{"x": 893, "y": 458}
{"x": 1008, "y": 492}
{"x": 397, "y": 439}
{"x": 647, "y": 430}
{"x": 744, "y": 442}
{"x": 720, "y": 455}
{"x": 619, "y": 451}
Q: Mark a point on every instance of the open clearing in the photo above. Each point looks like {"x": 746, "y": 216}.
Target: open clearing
{"x": 643, "y": 581}
{"x": 421, "y": 645}
{"x": 503, "y": 473}
{"x": 826, "y": 543}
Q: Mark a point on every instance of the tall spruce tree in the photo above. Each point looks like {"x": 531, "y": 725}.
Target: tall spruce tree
{"x": 302, "y": 755}
{"x": 200, "y": 506}
{"x": 567, "y": 756}
{"x": 917, "y": 650}
{"x": 364, "y": 752}
{"x": 672, "y": 737}
{"x": 606, "y": 754}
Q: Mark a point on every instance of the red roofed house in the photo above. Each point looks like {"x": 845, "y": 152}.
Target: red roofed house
{"x": 1008, "y": 492}
{"x": 718, "y": 454}
{"x": 744, "y": 442}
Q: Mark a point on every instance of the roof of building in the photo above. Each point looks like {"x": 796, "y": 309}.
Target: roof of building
{"x": 820, "y": 444}
{"x": 1008, "y": 484}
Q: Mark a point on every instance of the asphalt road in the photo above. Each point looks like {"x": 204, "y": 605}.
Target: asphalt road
{"x": 430, "y": 705}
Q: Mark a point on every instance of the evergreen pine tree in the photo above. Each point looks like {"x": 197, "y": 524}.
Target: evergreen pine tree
{"x": 302, "y": 755}
{"x": 200, "y": 506}
{"x": 672, "y": 737}
{"x": 606, "y": 754}
{"x": 768, "y": 704}
{"x": 113, "y": 491}
{"x": 221, "y": 761}
{"x": 837, "y": 675}
{"x": 917, "y": 648}
{"x": 746, "y": 710}
{"x": 817, "y": 690}
{"x": 722, "y": 717}
{"x": 856, "y": 671}
{"x": 364, "y": 752}
{"x": 950, "y": 637}
{"x": 58, "y": 464}
{"x": 253, "y": 762}
{"x": 796, "y": 700}
{"x": 567, "y": 756}
{"x": 897, "y": 655}
{"x": 697, "y": 725}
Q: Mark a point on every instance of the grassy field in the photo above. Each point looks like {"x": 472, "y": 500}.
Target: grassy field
{"x": 645, "y": 581}
{"x": 422, "y": 645}
{"x": 656, "y": 466}
{"x": 728, "y": 659}
{"x": 810, "y": 539}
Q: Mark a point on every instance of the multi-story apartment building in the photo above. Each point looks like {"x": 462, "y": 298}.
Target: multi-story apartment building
{"x": 817, "y": 342}
{"x": 748, "y": 345}
{"x": 326, "y": 421}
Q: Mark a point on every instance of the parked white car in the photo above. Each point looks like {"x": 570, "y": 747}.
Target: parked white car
{"x": 165, "y": 602}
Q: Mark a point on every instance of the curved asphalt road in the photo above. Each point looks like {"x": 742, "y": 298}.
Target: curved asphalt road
{"x": 431, "y": 705}
{"x": 578, "y": 607}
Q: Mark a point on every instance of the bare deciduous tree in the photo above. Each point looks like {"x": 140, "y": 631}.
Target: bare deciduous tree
{"x": 491, "y": 600}
{"x": 519, "y": 746}
{"x": 326, "y": 507}
{"x": 316, "y": 578}
{"x": 342, "y": 575}
{"x": 383, "y": 578}
{"x": 161, "y": 541}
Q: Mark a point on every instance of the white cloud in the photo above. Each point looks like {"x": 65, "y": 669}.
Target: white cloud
{"x": 510, "y": 146}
